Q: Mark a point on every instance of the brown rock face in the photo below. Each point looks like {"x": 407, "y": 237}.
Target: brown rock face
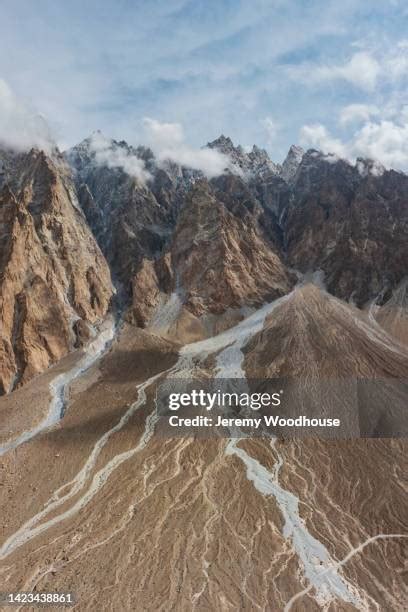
{"x": 316, "y": 212}
{"x": 152, "y": 278}
{"x": 151, "y": 232}
{"x": 131, "y": 221}
{"x": 351, "y": 224}
{"x": 220, "y": 259}
{"x": 52, "y": 272}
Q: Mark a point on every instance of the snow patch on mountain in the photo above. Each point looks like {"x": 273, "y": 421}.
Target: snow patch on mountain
{"x": 256, "y": 162}
{"x": 292, "y": 163}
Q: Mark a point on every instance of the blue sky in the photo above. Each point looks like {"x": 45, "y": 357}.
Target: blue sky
{"x": 332, "y": 74}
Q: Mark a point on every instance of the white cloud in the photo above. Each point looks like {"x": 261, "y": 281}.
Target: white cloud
{"x": 163, "y": 135}
{"x": 167, "y": 143}
{"x": 20, "y": 128}
{"x": 385, "y": 141}
{"x": 357, "y": 112}
{"x": 318, "y": 137}
{"x": 113, "y": 156}
{"x": 215, "y": 67}
{"x": 374, "y": 168}
{"x": 362, "y": 70}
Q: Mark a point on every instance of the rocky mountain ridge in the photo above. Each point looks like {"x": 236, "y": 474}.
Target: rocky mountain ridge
{"x": 352, "y": 225}
{"x": 220, "y": 244}
{"x": 254, "y": 162}
{"x": 54, "y": 281}
{"x": 317, "y": 211}
{"x": 113, "y": 501}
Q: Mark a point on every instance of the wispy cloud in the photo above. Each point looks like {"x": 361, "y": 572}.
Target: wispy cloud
{"x": 384, "y": 140}
{"x": 357, "y": 112}
{"x": 317, "y": 137}
{"x": 272, "y": 128}
{"x": 109, "y": 154}
{"x": 361, "y": 70}
{"x": 376, "y": 126}
{"x": 20, "y": 127}
{"x": 168, "y": 143}
{"x": 218, "y": 66}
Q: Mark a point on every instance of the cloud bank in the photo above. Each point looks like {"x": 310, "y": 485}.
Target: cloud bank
{"x": 20, "y": 128}
{"x": 361, "y": 70}
{"x": 316, "y": 136}
{"x": 383, "y": 140}
{"x": 167, "y": 142}
{"x": 216, "y": 67}
{"x": 357, "y": 112}
{"x": 108, "y": 153}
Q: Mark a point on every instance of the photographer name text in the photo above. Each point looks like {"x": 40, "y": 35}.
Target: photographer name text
{"x": 252, "y": 422}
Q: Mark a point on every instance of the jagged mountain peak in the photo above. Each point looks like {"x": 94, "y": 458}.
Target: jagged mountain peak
{"x": 16, "y": 167}
{"x": 222, "y": 143}
{"x": 51, "y": 269}
{"x": 97, "y": 140}
{"x": 97, "y": 149}
{"x": 255, "y": 162}
{"x": 292, "y": 163}
{"x": 260, "y": 156}
{"x": 314, "y": 162}
{"x": 88, "y": 145}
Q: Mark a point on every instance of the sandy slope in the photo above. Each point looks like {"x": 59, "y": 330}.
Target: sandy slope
{"x": 132, "y": 521}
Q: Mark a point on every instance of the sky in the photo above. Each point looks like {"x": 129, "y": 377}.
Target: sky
{"x": 321, "y": 73}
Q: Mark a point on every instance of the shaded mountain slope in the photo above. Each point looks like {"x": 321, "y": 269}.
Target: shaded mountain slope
{"x": 132, "y": 219}
{"x": 217, "y": 258}
{"x": 332, "y": 360}
{"x": 349, "y": 222}
{"x": 393, "y": 314}
{"x": 313, "y": 333}
{"x": 54, "y": 281}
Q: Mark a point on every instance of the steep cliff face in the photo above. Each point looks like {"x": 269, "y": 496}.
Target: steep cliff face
{"x": 350, "y": 222}
{"x": 52, "y": 273}
{"x": 153, "y": 230}
{"x": 315, "y": 212}
{"x": 248, "y": 200}
{"x": 131, "y": 214}
{"x": 291, "y": 163}
{"x": 218, "y": 257}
